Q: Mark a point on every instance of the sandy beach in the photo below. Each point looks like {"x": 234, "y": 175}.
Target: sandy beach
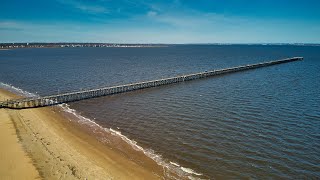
{"x": 42, "y": 143}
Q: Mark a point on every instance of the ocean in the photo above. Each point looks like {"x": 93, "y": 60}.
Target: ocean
{"x": 262, "y": 123}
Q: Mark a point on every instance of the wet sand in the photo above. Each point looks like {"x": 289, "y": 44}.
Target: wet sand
{"x": 43, "y": 143}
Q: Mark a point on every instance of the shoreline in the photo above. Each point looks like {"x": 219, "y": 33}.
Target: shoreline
{"x": 49, "y": 47}
{"x": 59, "y": 147}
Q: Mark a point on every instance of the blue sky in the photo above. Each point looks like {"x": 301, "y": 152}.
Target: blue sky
{"x": 166, "y": 21}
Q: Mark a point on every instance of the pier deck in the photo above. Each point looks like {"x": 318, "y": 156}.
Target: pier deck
{"x": 93, "y": 93}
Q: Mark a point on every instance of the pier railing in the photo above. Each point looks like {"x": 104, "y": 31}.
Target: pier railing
{"x": 87, "y": 94}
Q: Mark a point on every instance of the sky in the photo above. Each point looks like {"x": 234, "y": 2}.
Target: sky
{"x": 160, "y": 21}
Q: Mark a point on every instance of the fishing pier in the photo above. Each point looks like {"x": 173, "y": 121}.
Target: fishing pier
{"x": 34, "y": 102}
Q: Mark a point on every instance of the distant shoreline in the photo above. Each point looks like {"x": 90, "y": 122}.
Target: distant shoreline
{"x": 84, "y": 47}
{"x": 75, "y": 45}
{"x": 8, "y": 46}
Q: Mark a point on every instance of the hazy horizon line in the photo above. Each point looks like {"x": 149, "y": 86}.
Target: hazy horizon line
{"x": 57, "y": 42}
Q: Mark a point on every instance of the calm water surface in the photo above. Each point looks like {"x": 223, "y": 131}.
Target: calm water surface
{"x": 254, "y": 124}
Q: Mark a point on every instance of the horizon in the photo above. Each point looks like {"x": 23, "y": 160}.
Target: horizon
{"x": 160, "y": 22}
{"x": 217, "y": 43}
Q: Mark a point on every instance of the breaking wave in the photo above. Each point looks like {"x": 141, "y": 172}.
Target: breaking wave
{"x": 173, "y": 167}
{"x": 17, "y": 90}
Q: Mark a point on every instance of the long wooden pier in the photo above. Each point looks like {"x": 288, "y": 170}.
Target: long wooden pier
{"x": 87, "y": 94}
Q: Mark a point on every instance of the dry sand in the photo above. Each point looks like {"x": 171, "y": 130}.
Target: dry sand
{"x": 14, "y": 162}
{"x": 42, "y": 143}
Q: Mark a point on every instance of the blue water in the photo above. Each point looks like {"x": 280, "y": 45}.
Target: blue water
{"x": 262, "y": 123}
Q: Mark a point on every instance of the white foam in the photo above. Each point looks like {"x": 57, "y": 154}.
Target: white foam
{"x": 17, "y": 90}
{"x": 173, "y": 163}
{"x": 81, "y": 119}
{"x": 148, "y": 152}
{"x": 190, "y": 171}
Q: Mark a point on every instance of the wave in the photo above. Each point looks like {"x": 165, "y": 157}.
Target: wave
{"x": 17, "y": 90}
{"x": 187, "y": 170}
{"x": 169, "y": 167}
{"x": 173, "y": 167}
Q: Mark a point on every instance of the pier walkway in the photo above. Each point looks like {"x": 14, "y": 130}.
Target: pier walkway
{"x": 87, "y": 94}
